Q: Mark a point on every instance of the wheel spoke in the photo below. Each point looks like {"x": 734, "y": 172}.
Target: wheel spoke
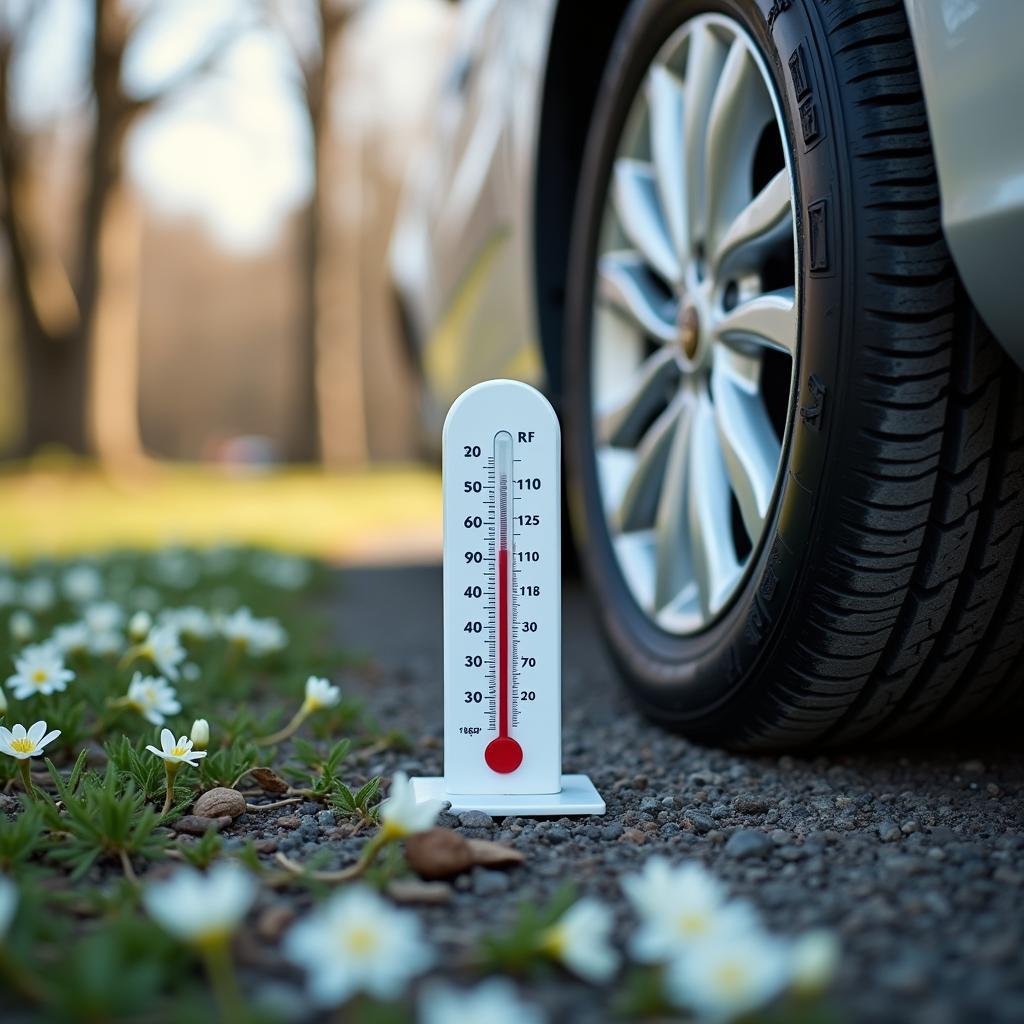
{"x": 640, "y": 502}
{"x": 673, "y": 563}
{"x": 639, "y": 208}
{"x": 622, "y": 424}
{"x": 665, "y": 98}
{"x": 767, "y": 320}
{"x": 713, "y": 553}
{"x": 748, "y": 440}
{"x": 764, "y": 221}
{"x": 738, "y": 112}
{"x": 626, "y": 284}
{"x": 703, "y": 67}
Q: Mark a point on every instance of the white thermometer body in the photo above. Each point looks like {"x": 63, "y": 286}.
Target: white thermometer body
{"x": 502, "y": 592}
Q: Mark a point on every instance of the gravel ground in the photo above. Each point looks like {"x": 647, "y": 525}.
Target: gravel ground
{"x": 916, "y": 860}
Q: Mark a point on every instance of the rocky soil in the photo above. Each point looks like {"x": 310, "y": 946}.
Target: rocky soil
{"x": 915, "y": 857}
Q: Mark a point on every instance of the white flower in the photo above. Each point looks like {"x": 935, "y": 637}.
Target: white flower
{"x": 8, "y": 591}
{"x": 104, "y": 620}
{"x": 22, "y": 626}
{"x": 163, "y": 649}
{"x": 679, "y": 907}
{"x": 200, "y": 735}
{"x": 494, "y": 1002}
{"x": 71, "y": 638}
{"x": 356, "y": 942}
{"x": 729, "y": 977}
{"x": 153, "y": 697}
{"x": 256, "y": 636}
{"x": 284, "y": 571}
{"x": 8, "y": 904}
{"x": 176, "y": 751}
{"x": 189, "y": 621}
{"x": 580, "y": 939}
{"x": 39, "y": 594}
{"x": 203, "y": 910}
{"x": 3, "y": 703}
{"x": 39, "y": 669}
{"x": 81, "y": 584}
{"x": 22, "y": 743}
{"x": 106, "y": 643}
{"x": 401, "y": 815}
{"x": 141, "y": 623}
{"x": 814, "y": 959}
{"x": 320, "y": 694}
{"x": 104, "y": 617}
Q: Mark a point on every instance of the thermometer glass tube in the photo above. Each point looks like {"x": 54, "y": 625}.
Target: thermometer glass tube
{"x": 504, "y": 754}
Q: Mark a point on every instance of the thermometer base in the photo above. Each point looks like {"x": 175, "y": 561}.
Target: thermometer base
{"x": 578, "y": 796}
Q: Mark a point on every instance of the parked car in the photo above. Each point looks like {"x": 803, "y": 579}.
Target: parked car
{"x": 766, "y": 258}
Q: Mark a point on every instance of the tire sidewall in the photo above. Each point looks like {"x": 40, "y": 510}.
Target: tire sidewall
{"x": 700, "y": 682}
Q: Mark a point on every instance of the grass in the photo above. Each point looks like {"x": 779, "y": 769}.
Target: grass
{"x": 69, "y": 508}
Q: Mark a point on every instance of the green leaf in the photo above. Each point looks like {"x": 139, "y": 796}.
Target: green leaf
{"x": 367, "y": 792}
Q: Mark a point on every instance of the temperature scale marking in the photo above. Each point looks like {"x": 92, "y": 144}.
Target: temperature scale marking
{"x": 502, "y": 609}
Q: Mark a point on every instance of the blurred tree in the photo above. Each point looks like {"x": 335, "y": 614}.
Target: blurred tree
{"x": 56, "y": 335}
{"x": 315, "y": 56}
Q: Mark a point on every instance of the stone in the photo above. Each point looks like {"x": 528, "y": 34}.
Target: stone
{"x": 199, "y": 825}
{"x": 889, "y": 831}
{"x": 218, "y": 803}
{"x": 746, "y": 803}
{"x": 746, "y": 842}
{"x": 476, "y": 819}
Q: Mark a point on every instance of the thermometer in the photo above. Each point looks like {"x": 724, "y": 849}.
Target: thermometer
{"x": 501, "y": 453}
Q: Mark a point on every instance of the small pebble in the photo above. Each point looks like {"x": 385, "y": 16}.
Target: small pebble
{"x": 476, "y": 819}
{"x": 746, "y": 842}
{"x": 888, "y": 831}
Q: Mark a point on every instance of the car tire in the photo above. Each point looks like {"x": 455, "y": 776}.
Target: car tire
{"x": 884, "y": 595}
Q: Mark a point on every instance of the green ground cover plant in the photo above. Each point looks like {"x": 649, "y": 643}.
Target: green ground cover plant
{"x": 154, "y": 698}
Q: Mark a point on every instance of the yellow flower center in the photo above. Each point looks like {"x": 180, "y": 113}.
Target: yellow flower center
{"x": 730, "y": 977}
{"x": 179, "y": 751}
{"x": 40, "y": 675}
{"x": 555, "y": 941}
{"x": 692, "y": 923}
{"x": 23, "y": 746}
{"x": 361, "y": 940}
{"x": 393, "y": 830}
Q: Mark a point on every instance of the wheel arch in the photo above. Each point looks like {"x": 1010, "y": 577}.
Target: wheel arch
{"x": 582, "y": 36}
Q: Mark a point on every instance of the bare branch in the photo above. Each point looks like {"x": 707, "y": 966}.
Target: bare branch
{"x": 203, "y": 64}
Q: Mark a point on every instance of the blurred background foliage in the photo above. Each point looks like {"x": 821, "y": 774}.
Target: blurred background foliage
{"x": 197, "y": 200}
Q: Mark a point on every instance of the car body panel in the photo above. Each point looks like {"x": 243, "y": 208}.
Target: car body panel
{"x": 969, "y": 54}
{"x": 462, "y": 255}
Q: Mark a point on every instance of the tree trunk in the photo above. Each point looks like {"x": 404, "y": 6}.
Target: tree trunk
{"x": 113, "y": 404}
{"x": 55, "y": 374}
{"x": 305, "y": 441}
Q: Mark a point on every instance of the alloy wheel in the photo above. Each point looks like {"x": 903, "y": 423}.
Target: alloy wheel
{"x": 695, "y": 325}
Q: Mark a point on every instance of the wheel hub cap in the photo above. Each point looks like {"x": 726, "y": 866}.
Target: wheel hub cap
{"x": 694, "y": 338}
{"x": 689, "y": 331}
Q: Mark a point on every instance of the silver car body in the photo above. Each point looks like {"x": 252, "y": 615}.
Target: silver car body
{"x": 969, "y": 54}
{"x": 463, "y": 254}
